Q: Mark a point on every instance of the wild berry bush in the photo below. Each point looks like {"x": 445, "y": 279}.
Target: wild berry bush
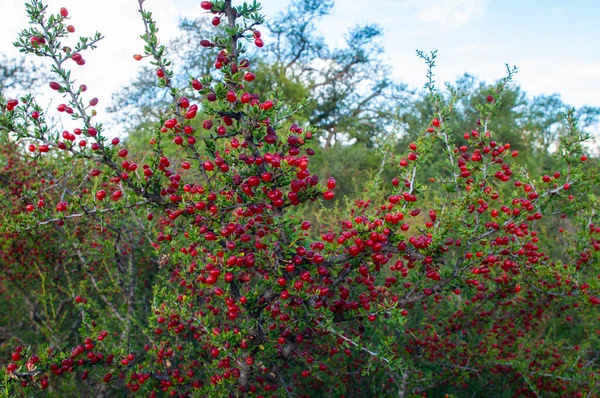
{"x": 190, "y": 269}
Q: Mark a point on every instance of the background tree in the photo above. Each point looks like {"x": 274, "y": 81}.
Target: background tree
{"x": 466, "y": 272}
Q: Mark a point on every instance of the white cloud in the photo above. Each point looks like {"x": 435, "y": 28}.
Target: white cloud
{"x": 450, "y": 13}
{"x": 472, "y": 48}
{"x": 576, "y": 80}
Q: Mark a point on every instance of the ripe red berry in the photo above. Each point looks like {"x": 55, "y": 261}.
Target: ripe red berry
{"x": 196, "y": 84}
{"x": 435, "y": 122}
{"x": 328, "y": 195}
{"x": 266, "y": 177}
{"x": 64, "y": 12}
{"x": 54, "y": 86}
{"x": 331, "y": 183}
{"x": 206, "y": 5}
{"x": 249, "y": 76}
{"x": 231, "y": 97}
{"x": 184, "y": 102}
{"x": 216, "y": 21}
{"x": 208, "y": 166}
{"x": 259, "y": 43}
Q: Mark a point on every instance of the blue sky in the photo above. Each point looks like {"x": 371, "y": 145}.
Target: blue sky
{"x": 555, "y": 44}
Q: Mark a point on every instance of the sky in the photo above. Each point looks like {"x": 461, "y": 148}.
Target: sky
{"x": 555, "y": 44}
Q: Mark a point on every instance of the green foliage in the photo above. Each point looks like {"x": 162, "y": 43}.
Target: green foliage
{"x": 200, "y": 260}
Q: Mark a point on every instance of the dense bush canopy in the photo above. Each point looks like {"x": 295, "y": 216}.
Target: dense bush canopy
{"x": 288, "y": 221}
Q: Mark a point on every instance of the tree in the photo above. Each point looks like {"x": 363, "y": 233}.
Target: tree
{"x": 444, "y": 287}
{"x": 15, "y": 72}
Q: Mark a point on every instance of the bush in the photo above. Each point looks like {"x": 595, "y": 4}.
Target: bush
{"x": 190, "y": 269}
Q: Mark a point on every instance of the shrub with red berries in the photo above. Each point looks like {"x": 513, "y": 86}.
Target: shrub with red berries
{"x": 193, "y": 271}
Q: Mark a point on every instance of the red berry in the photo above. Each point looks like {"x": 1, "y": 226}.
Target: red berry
{"x": 435, "y": 122}
{"x": 249, "y": 76}
{"x": 206, "y": 5}
{"x": 331, "y": 183}
{"x": 216, "y": 21}
{"x": 54, "y": 86}
{"x": 196, "y": 84}
{"x": 267, "y": 105}
{"x": 208, "y": 166}
{"x": 64, "y": 12}
{"x": 231, "y": 97}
